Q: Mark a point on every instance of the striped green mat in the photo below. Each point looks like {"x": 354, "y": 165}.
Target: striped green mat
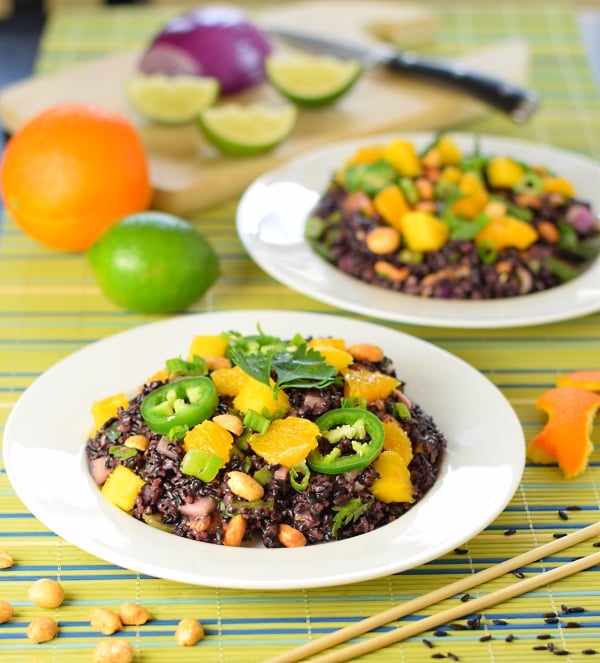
{"x": 50, "y": 306}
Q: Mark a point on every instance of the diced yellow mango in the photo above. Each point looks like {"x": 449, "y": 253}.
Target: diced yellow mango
{"x": 403, "y": 156}
{"x": 507, "y": 231}
{"x": 559, "y": 185}
{"x": 449, "y": 151}
{"x": 107, "y": 408}
{"x": 474, "y": 196}
{"x": 503, "y": 173}
{"x": 391, "y": 205}
{"x": 394, "y": 483}
{"x": 366, "y": 154}
{"x": 122, "y": 487}
{"x": 208, "y": 345}
{"x": 423, "y": 231}
{"x": 257, "y": 396}
{"x": 451, "y": 174}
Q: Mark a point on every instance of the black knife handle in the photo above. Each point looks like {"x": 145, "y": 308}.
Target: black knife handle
{"x": 516, "y": 101}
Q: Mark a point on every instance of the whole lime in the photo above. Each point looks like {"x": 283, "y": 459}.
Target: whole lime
{"x": 152, "y": 262}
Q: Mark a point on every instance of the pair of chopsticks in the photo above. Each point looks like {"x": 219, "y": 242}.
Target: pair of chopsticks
{"x": 446, "y": 616}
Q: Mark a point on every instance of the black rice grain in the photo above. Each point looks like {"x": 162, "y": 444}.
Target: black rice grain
{"x": 563, "y": 515}
{"x": 485, "y": 638}
{"x": 509, "y": 638}
{"x": 561, "y": 652}
{"x": 428, "y": 643}
{"x": 510, "y": 532}
{"x": 589, "y": 652}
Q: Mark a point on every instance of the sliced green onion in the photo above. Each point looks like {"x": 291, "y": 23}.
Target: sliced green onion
{"x": 401, "y": 410}
{"x": 256, "y": 422}
{"x": 299, "y": 476}
{"x": 354, "y": 401}
{"x": 202, "y": 465}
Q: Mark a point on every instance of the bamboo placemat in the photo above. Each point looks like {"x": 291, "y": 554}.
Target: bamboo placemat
{"x": 50, "y": 306}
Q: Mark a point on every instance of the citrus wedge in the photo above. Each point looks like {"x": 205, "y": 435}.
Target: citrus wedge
{"x": 247, "y": 130}
{"x": 171, "y": 99}
{"x": 311, "y": 80}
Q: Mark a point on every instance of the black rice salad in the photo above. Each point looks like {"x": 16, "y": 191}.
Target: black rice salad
{"x": 443, "y": 224}
{"x": 255, "y": 439}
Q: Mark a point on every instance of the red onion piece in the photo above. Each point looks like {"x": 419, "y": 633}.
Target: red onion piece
{"x": 98, "y": 469}
{"x": 202, "y": 506}
{"x": 581, "y": 218}
{"x": 216, "y": 41}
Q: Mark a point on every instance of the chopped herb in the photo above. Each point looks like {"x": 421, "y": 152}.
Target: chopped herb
{"x": 349, "y": 513}
{"x": 178, "y": 366}
{"x": 122, "y": 452}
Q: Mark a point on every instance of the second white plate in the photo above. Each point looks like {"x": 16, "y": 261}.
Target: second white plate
{"x": 273, "y": 210}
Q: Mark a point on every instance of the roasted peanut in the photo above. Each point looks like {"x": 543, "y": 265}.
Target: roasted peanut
{"x": 495, "y": 209}
{"x": 133, "y": 614}
{"x": 105, "y": 621}
{"x": 383, "y": 239}
{"x": 6, "y": 611}
{"x": 235, "y": 530}
{"x": 366, "y": 352}
{"x": 189, "y": 631}
{"x": 387, "y": 270}
{"x": 290, "y": 537}
{"x": 6, "y": 560}
{"x": 42, "y": 629}
{"x": 113, "y": 651}
{"x": 46, "y": 593}
{"x": 424, "y": 188}
{"x": 230, "y": 422}
{"x": 426, "y": 206}
{"x": 199, "y": 523}
{"x": 548, "y": 231}
{"x": 139, "y": 442}
{"x": 244, "y": 486}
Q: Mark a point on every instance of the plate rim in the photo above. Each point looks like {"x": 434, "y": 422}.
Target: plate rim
{"x": 132, "y": 527}
{"x": 484, "y": 314}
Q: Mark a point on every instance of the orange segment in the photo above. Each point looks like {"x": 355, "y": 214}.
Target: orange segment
{"x": 393, "y": 484}
{"x": 287, "y": 441}
{"x": 229, "y": 381}
{"x": 370, "y": 385}
{"x": 396, "y": 439}
{"x": 257, "y": 396}
{"x": 210, "y": 437}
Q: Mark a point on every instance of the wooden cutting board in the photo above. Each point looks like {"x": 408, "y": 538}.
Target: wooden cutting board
{"x": 189, "y": 175}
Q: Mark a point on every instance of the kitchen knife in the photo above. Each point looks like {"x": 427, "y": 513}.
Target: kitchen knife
{"x": 519, "y": 103}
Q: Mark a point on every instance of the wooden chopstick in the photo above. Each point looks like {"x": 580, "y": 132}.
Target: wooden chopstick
{"x": 457, "y": 587}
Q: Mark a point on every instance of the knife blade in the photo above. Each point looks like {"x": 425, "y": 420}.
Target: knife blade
{"x": 517, "y": 102}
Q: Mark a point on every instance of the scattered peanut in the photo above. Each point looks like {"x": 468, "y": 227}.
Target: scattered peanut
{"x": 548, "y": 231}
{"x": 189, "y": 631}
{"x": 290, "y": 537}
{"x": 244, "y": 486}
{"x": 200, "y": 523}
{"x": 235, "y": 530}
{"x": 46, "y": 593}
{"x": 230, "y": 422}
{"x": 383, "y": 239}
{"x": 366, "y": 352}
{"x": 42, "y": 629}
{"x": 105, "y": 621}
{"x": 113, "y": 651}
{"x": 6, "y": 611}
{"x": 139, "y": 442}
{"x": 133, "y": 614}
{"x": 424, "y": 188}
{"x": 6, "y": 560}
{"x": 426, "y": 206}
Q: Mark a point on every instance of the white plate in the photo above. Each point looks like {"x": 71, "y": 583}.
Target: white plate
{"x": 45, "y": 461}
{"x": 273, "y": 210}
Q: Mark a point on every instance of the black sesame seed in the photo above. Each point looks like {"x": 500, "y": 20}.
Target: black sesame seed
{"x": 465, "y": 597}
{"x": 543, "y": 636}
{"x": 589, "y": 652}
{"x": 509, "y": 638}
{"x": 563, "y": 515}
{"x": 510, "y": 532}
{"x": 440, "y": 633}
{"x": 572, "y": 625}
{"x": 561, "y": 652}
{"x": 499, "y": 622}
{"x": 575, "y": 608}
{"x": 518, "y": 573}
{"x": 485, "y": 638}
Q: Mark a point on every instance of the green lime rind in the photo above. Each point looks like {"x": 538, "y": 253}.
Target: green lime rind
{"x": 171, "y": 100}
{"x": 247, "y": 130}
{"x": 312, "y": 80}
{"x": 152, "y": 262}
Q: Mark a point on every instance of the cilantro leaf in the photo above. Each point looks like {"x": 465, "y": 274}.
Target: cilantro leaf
{"x": 348, "y": 513}
{"x": 303, "y": 368}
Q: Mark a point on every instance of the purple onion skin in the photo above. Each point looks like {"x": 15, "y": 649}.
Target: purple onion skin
{"x": 212, "y": 41}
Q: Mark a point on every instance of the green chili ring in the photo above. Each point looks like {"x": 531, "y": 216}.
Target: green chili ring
{"x": 358, "y": 424}
{"x": 184, "y": 402}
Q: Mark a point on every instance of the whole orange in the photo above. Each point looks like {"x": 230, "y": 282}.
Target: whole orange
{"x": 72, "y": 171}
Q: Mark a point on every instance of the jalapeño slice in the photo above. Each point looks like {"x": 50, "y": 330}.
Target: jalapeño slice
{"x": 184, "y": 402}
{"x": 362, "y": 428}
